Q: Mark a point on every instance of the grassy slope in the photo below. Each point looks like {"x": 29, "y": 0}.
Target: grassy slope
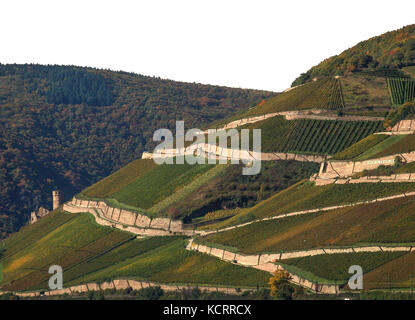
{"x": 363, "y": 91}
{"x": 304, "y": 195}
{"x": 321, "y": 94}
{"x": 360, "y": 147}
{"x": 33, "y": 232}
{"x": 183, "y": 190}
{"x": 396, "y": 273}
{"x": 158, "y": 183}
{"x": 384, "y": 222}
{"x": 335, "y": 267}
{"x": 357, "y": 91}
{"x": 377, "y": 146}
{"x": 189, "y": 189}
{"x": 397, "y": 144}
{"x": 87, "y": 251}
{"x": 171, "y": 263}
{"x": 68, "y": 244}
{"x": 230, "y": 189}
{"x": 379, "y": 150}
{"x": 119, "y": 179}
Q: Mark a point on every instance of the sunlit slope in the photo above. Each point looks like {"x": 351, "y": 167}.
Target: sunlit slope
{"x": 305, "y": 195}
{"x": 386, "y": 222}
{"x": 87, "y": 251}
{"x": 377, "y": 146}
{"x": 324, "y": 93}
{"x": 335, "y": 268}
{"x": 354, "y": 93}
{"x": 184, "y": 191}
{"x": 351, "y": 92}
{"x": 311, "y": 136}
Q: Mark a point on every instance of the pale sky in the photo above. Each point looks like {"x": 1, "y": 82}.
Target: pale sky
{"x": 249, "y": 44}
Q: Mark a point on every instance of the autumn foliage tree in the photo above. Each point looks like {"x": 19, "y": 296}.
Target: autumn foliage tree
{"x": 280, "y": 286}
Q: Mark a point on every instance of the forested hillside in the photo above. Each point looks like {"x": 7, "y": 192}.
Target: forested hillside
{"x": 67, "y": 127}
{"x": 379, "y": 55}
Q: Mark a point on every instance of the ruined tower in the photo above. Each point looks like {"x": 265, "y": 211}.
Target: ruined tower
{"x": 56, "y": 195}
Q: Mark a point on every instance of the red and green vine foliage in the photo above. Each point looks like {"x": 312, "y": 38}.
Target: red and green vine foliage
{"x": 401, "y": 90}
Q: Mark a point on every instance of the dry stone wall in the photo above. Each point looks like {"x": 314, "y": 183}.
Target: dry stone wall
{"x": 295, "y": 115}
{"x": 302, "y": 212}
{"x": 254, "y": 260}
{"x": 127, "y": 220}
{"x": 343, "y": 169}
{"x": 403, "y": 126}
{"x": 216, "y": 152}
{"x": 269, "y": 261}
{"x": 122, "y": 284}
{"x": 266, "y": 263}
{"x": 401, "y": 177}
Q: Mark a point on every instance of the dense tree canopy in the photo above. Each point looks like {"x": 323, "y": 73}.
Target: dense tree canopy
{"x": 67, "y": 127}
{"x": 392, "y": 50}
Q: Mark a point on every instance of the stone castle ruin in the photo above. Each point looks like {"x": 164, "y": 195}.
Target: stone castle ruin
{"x": 36, "y": 215}
{"x": 41, "y": 212}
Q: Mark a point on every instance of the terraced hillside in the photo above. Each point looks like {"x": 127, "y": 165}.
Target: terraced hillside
{"x": 364, "y": 93}
{"x": 234, "y": 230}
{"x": 190, "y": 191}
{"x": 374, "y": 223}
{"x": 377, "y": 146}
{"x": 378, "y": 237}
{"x": 334, "y": 268}
{"x": 68, "y": 127}
{"x": 86, "y": 251}
{"x": 325, "y": 137}
{"x": 324, "y": 93}
{"x": 305, "y": 196}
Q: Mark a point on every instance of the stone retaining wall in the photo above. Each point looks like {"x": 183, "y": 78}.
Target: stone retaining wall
{"x": 262, "y": 262}
{"x": 403, "y": 126}
{"x": 142, "y": 226}
{"x": 122, "y": 284}
{"x": 295, "y": 115}
{"x": 302, "y": 212}
{"x": 254, "y": 260}
{"x": 269, "y": 261}
{"x": 344, "y": 169}
{"x": 401, "y": 177}
{"x": 127, "y": 220}
{"x": 216, "y": 152}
